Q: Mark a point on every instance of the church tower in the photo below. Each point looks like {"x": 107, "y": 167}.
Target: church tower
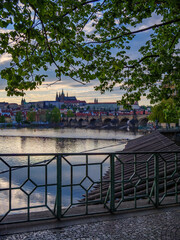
{"x": 62, "y": 96}
{"x": 23, "y": 101}
{"x": 57, "y": 99}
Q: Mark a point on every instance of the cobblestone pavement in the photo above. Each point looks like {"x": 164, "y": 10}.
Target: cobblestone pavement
{"x": 164, "y": 225}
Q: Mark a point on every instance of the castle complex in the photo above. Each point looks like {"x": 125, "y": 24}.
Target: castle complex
{"x": 62, "y": 98}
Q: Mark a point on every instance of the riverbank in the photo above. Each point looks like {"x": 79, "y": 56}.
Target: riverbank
{"x": 123, "y": 128}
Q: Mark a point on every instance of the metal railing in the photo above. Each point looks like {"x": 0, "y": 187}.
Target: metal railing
{"x": 45, "y": 186}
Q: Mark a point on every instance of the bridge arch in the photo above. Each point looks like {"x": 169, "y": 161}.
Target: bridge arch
{"x": 143, "y": 122}
{"x": 115, "y": 121}
{"x": 64, "y": 120}
{"x": 93, "y": 121}
{"x": 124, "y": 121}
{"x": 73, "y": 122}
{"x": 82, "y": 122}
{"x": 107, "y": 121}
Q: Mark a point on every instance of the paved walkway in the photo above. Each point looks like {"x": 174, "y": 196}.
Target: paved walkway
{"x": 156, "y": 224}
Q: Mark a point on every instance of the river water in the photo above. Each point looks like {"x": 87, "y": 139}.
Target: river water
{"x": 65, "y": 140}
{"x": 26, "y": 140}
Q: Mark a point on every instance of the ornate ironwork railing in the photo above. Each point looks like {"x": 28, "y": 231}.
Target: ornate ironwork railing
{"x": 45, "y": 186}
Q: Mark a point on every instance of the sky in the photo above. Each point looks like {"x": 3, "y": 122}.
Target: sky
{"x": 82, "y": 92}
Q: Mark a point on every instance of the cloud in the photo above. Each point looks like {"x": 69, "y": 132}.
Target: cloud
{"x": 86, "y": 93}
{"x": 2, "y": 30}
{"x": 3, "y": 84}
{"x": 89, "y": 28}
{"x": 178, "y": 45}
{"x": 154, "y": 19}
{"x": 5, "y": 58}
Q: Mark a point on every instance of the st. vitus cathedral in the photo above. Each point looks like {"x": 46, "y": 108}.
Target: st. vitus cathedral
{"x": 61, "y": 97}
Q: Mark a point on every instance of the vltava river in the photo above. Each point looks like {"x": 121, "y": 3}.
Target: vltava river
{"x": 67, "y": 140}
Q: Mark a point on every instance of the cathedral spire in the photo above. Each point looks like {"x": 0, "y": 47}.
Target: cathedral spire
{"x": 56, "y": 96}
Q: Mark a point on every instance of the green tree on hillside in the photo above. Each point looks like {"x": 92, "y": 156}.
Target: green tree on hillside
{"x": 55, "y": 115}
{"x": 2, "y": 119}
{"x": 19, "y": 117}
{"x": 48, "y": 116}
{"x": 165, "y": 112}
{"x": 91, "y": 39}
{"x": 171, "y": 112}
{"x": 70, "y": 113}
{"x": 31, "y": 116}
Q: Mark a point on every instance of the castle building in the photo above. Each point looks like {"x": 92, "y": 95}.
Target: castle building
{"x": 69, "y": 101}
{"x": 62, "y": 98}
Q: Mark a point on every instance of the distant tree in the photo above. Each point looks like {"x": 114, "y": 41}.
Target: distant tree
{"x": 2, "y": 119}
{"x": 19, "y": 117}
{"x": 157, "y": 114}
{"x": 55, "y": 115}
{"x": 31, "y": 116}
{"x": 70, "y": 113}
{"x": 48, "y": 116}
{"x": 42, "y": 117}
{"x": 63, "y": 106}
{"x": 171, "y": 112}
{"x": 166, "y": 111}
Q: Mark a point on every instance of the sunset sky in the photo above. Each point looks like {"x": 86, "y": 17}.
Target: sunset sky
{"x": 82, "y": 92}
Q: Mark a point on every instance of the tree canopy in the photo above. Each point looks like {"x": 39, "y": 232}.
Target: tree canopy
{"x": 53, "y": 116}
{"x": 31, "y": 116}
{"x": 91, "y": 39}
{"x": 19, "y": 117}
{"x": 165, "y": 112}
{"x": 70, "y": 113}
{"x": 2, "y": 119}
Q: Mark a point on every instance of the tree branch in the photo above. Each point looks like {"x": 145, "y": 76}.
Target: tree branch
{"x": 50, "y": 84}
{"x": 174, "y": 39}
{"x": 137, "y": 31}
{"x": 49, "y": 48}
{"x": 142, "y": 59}
{"x": 91, "y": 1}
{"x": 92, "y": 15}
{"x": 45, "y": 35}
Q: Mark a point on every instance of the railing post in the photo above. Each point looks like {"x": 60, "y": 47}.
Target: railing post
{"x": 58, "y": 196}
{"x": 156, "y": 180}
{"x": 112, "y": 197}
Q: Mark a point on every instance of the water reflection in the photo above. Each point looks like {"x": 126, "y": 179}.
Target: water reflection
{"x": 51, "y": 145}
{"x": 69, "y": 133}
{"x": 37, "y": 175}
{"x": 32, "y": 181}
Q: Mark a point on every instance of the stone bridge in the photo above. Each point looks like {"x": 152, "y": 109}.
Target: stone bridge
{"x": 115, "y": 121}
